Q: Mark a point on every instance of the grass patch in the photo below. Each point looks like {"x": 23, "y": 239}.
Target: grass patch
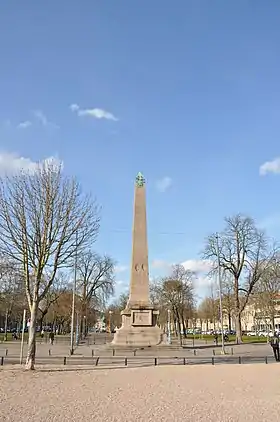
{"x": 232, "y": 338}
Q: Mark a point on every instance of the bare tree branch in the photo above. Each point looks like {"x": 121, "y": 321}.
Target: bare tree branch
{"x": 44, "y": 218}
{"x": 243, "y": 254}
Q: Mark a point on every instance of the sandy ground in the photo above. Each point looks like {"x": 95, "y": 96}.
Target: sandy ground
{"x": 196, "y": 393}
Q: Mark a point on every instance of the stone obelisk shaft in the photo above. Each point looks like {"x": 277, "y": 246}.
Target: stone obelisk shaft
{"x": 139, "y": 318}
{"x": 139, "y": 279}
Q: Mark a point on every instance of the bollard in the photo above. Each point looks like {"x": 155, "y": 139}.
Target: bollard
{"x": 239, "y": 360}
{"x": 184, "y": 361}
{"x": 134, "y": 352}
{"x": 97, "y": 361}
{"x": 64, "y": 360}
{"x": 92, "y": 353}
{"x": 214, "y": 352}
{"x": 94, "y": 340}
{"x": 213, "y": 361}
{"x": 125, "y": 361}
{"x": 194, "y": 352}
{"x": 50, "y": 352}
{"x": 113, "y": 352}
{"x": 2, "y": 360}
{"x": 265, "y": 359}
{"x": 6, "y": 352}
{"x": 155, "y": 361}
{"x": 232, "y": 350}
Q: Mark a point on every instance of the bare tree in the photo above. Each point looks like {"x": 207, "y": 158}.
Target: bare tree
{"x": 242, "y": 251}
{"x": 44, "y": 218}
{"x": 266, "y": 294}
{"x": 96, "y": 281}
{"x": 113, "y": 312}
{"x": 58, "y": 288}
{"x": 175, "y": 292}
{"x": 208, "y": 311}
{"x": 11, "y": 290}
{"x": 228, "y": 297}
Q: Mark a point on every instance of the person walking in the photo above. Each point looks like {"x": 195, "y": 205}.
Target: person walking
{"x": 51, "y": 337}
{"x": 274, "y": 342}
{"x": 216, "y": 339}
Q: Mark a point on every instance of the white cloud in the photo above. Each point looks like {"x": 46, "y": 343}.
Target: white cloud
{"x": 163, "y": 184}
{"x": 42, "y": 118}
{"x": 74, "y": 107}
{"x": 160, "y": 264}
{"x": 96, "y": 113}
{"x": 197, "y": 265}
{"x": 120, "y": 268}
{"x": 12, "y": 163}
{"x": 200, "y": 267}
{"x": 121, "y": 283}
{"x": 25, "y": 124}
{"x": 272, "y": 166}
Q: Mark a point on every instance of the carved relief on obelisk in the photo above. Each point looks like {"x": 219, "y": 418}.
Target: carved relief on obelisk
{"x": 139, "y": 319}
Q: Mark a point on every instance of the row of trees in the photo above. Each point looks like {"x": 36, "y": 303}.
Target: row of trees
{"x": 47, "y": 225}
{"x": 248, "y": 264}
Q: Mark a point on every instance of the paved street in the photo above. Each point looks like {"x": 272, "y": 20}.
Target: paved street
{"x": 87, "y": 354}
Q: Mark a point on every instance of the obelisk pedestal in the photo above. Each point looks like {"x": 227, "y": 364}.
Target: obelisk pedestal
{"x": 139, "y": 318}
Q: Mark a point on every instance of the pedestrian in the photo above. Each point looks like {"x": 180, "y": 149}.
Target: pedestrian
{"x": 274, "y": 342}
{"x": 51, "y": 337}
{"x": 216, "y": 338}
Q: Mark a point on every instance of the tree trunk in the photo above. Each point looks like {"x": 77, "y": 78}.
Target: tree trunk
{"x": 179, "y": 327}
{"x": 184, "y": 327}
{"x": 6, "y": 325}
{"x": 229, "y": 321}
{"x": 237, "y": 312}
{"x": 238, "y": 328}
{"x": 273, "y": 323}
{"x": 30, "y": 360}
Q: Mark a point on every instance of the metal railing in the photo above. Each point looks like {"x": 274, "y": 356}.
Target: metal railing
{"x": 134, "y": 361}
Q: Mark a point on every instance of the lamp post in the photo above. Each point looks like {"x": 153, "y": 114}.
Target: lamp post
{"x": 73, "y": 298}
{"x": 220, "y": 295}
{"x": 109, "y": 323}
{"x": 168, "y": 327}
{"x": 77, "y": 330}
{"x": 193, "y": 327}
{"x": 85, "y": 326}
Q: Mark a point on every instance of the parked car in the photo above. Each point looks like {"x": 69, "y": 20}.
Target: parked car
{"x": 252, "y": 333}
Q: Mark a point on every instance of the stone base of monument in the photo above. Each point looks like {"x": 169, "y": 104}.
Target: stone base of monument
{"x": 139, "y": 329}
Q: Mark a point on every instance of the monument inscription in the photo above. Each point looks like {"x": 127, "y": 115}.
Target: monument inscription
{"x": 142, "y": 317}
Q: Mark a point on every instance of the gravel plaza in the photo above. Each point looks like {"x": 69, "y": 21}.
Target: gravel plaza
{"x": 195, "y": 393}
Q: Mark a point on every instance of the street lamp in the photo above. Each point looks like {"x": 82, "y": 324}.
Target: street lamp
{"x": 168, "y": 327}
{"x": 73, "y": 298}
{"x": 110, "y": 313}
{"x": 85, "y": 326}
{"x": 193, "y": 327}
{"x": 223, "y": 352}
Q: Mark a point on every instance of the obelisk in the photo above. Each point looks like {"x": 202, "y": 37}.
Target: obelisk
{"x": 139, "y": 319}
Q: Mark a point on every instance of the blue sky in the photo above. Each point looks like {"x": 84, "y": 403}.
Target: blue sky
{"x": 186, "y": 92}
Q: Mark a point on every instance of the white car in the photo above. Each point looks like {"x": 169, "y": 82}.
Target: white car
{"x": 265, "y": 334}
